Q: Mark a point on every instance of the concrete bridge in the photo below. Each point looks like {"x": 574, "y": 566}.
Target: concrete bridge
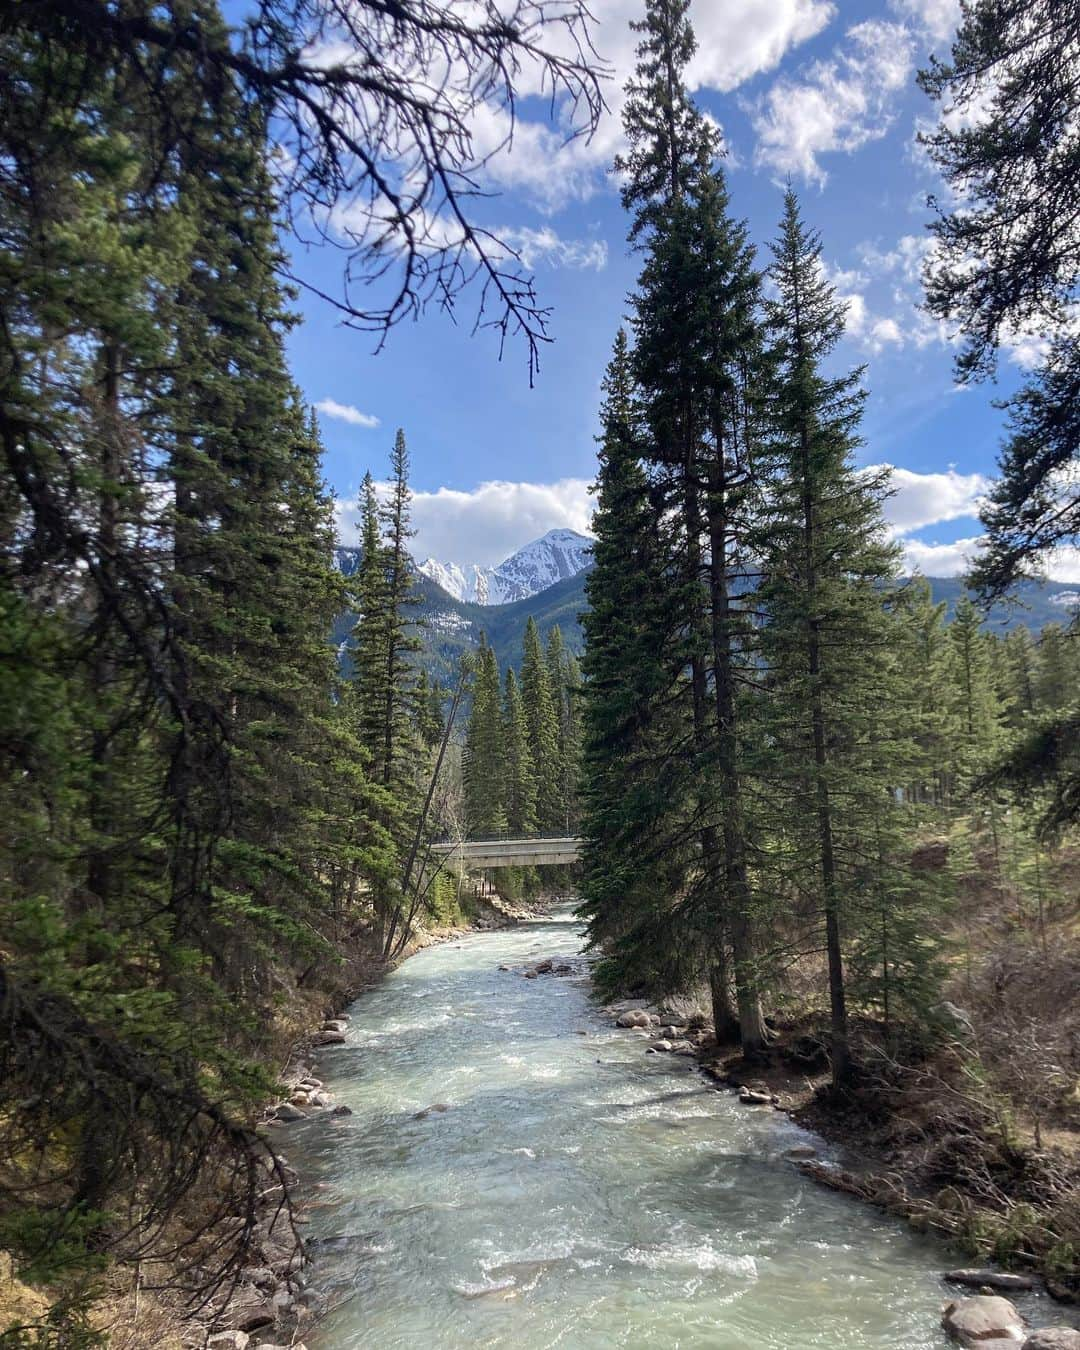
{"x": 531, "y": 851}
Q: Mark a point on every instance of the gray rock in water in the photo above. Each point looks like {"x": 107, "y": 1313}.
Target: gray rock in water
{"x": 661, "y": 1044}
{"x": 984, "y": 1320}
{"x": 435, "y": 1106}
{"x": 341, "y": 1110}
{"x": 801, "y": 1151}
{"x": 1053, "y": 1338}
{"x": 634, "y": 1017}
{"x": 334, "y": 1024}
{"x": 286, "y": 1111}
{"x": 328, "y": 1038}
{"x": 750, "y": 1097}
{"x": 990, "y": 1279}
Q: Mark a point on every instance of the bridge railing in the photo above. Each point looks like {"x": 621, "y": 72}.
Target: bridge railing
{"x": 502, "y": 837}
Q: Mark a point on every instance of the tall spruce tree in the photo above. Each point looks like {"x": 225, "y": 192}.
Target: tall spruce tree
{"x": 542, "y": 720}
{"x": 635, "y": 784}
{"x": 399, "y": 639}
{"x": 520, "y": 788}
{"x": 696, "y": 340}
{"x": 484, "y": 761}
{"x": 825, "y": 638}
{"x": 366, "y": 649}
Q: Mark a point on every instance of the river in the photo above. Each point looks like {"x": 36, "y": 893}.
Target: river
{"x": 576, "y": 1192}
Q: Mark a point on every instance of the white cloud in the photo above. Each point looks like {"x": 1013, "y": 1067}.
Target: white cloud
{"x": 487, "y": 524}
{"x": 939, "y": 560}
{"x": 837, "y": 105}
{"x": 904, "y": 259}
{"x": 873, "y": 332}
{"x": 923, "y": 499}
{"x": 545, "y": 246}
{"x": 936, "y": 19}
{"x": 345, "y": 412}
{"x": 736, "y": 41}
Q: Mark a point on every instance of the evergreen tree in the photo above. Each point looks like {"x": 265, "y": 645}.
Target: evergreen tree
{"x": 428, "y": 709}
{"x": 367, "y": 649}
{"x": 825, "y": 640}
{"x": 484, "y": 763}
{"x": 924, "y": 687}
{"x": 1057, "y": 678}
{"x": 520, "y": 786}
{"x": 634, "y": 762}
{"x": 1005, "y": 261}
{"x": 541, "y": 718}
{"x": 696, "y": 350}
{"x": 399, "y": 642}
{"x": 572, "y": 739}
{"x": 1017, "y": 682}
{"x": 973, "y": 696}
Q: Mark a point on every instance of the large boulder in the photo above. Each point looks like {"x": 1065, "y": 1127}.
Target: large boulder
{"x": 328, "y": 1038}
{"x": 244, "y": 1314}
{"x": 633, "y": 1017}
{"x": 1053, "y": 1338}
{"x": 985, "y": 1319}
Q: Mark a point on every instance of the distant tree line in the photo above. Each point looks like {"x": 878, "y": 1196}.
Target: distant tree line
{"x": 523, "y": 743}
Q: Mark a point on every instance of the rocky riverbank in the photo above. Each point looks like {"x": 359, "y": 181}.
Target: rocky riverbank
{"x": 678, "y": 1026}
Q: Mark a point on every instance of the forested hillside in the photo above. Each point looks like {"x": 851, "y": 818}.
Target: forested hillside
{"x": 450, "y": 628}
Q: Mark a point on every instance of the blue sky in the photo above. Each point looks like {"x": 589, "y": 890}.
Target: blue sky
{"x": 823, "y": 92}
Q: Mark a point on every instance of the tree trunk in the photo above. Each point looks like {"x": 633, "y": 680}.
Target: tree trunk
{"x": 737, "y": 886}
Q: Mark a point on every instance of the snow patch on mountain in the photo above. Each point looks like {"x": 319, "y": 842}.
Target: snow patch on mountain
{"x": 554, "y": 557}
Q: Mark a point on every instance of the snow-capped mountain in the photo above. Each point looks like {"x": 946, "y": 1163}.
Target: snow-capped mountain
{"x": 555, "y": 556}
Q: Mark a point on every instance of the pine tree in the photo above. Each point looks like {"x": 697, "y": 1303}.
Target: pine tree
{"x": 541, "y": 718}
{"x": 1057, "y": 677}
{"x": 484, "y": 763}
{"x": 367, "y": 649}
{"x": 399, "y": 642}
{"x": 571, "y": 747}
{"x": 924, "y": 686}
{"x": 520, "y": 782}
{"x": 1004, "y": 261}
{"x": 973, "y": 696}
{"x": 429, "y": 716}
{"x": 825, "y": 641}
{"x": 695, "y": 354}
{"x": 635, "y": 783}
{"x": 558, "y": 658}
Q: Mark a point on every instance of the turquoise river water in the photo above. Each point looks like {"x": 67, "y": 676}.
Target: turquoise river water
{"x": 576, "y": 1192}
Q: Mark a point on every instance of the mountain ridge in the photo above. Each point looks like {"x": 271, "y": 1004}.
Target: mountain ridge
{"x": 451, "y": 627}
{"x": 555, "y": 556}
